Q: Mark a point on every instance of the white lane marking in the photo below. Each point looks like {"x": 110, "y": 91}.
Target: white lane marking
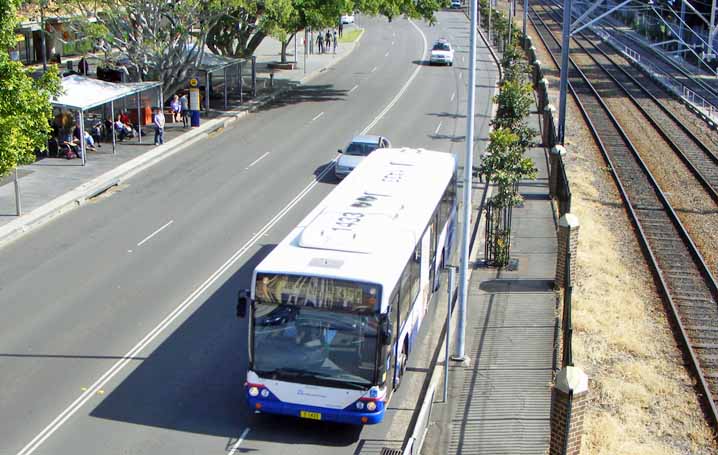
{"x": 317, "y": 116}
{"x": 438, "y": 127}
{"x": 393, "y": 33}
{"x": 392, "y": 43}
{"x": 155, "y": 233}
{"x": 258, "y": 160}
{"x": 353, "y": 88}
{"x": 373, "y": 69}
{"x": 452, "y": 97}
{"x": 75, "y": 406}
{"x": 239, "y": 441}
{"x": 406, "y": 85}
{"x": 460, "y": 75}
{"x": 463, "y": 59}
{"x": 387, "y": 54}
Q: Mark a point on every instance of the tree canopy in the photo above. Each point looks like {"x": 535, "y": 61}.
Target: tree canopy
{"x": 164, "y": 40}
{"x": 248, "y": 22}
{"x": 25, "y": 109}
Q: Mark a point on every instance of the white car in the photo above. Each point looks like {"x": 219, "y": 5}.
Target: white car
{"x": 455, "y": 4}
{"x": 442, "y": 53}
{"x": 358, "y": 149}
{"x": 347, "y": 19}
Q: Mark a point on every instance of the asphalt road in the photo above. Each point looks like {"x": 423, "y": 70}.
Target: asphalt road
{"x": 118, "y": 334}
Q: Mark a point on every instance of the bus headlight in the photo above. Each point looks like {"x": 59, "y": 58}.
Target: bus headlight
{"x": 360, "y": 405}
{"x": 253, "y": 391}
{"x": 371, "y": 406}
{"x": 265, "y": 393}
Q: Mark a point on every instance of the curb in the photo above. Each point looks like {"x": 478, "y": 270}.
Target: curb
{"x": 81, "y": 194}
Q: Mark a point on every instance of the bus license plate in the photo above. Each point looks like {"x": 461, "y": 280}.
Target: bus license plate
{"x": 310, "y": 415}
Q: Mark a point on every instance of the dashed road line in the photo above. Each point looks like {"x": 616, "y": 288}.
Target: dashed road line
{"x": 236, "y": 445}
{"x": 257, "y": 160}
{"x": 353, "y": 88}
{"x": 438, "y": 127}
{"x": 155, "y": 233}
{"x": 318, "y": 115}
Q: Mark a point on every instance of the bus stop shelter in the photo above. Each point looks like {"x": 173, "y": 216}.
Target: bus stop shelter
{"x": 226, "y": 74}
{"x": 81, "y": 94}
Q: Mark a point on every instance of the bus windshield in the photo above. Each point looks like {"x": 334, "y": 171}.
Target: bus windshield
{"x": 315, "y": 346}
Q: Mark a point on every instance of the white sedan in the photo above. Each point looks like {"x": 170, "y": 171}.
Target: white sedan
{"x": 442, "y": 53}
{"x": 347, "y": 19}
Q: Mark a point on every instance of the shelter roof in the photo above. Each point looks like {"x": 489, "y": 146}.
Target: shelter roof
{"x": 83, "y": 93}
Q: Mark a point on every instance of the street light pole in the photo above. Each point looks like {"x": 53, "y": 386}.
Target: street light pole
{"x": 564, "y": 71}
{"x": 459, "y": 354}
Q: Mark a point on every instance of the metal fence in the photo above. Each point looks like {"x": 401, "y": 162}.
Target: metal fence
{"x": 566, "y": 318}
{"x": 563, "y": 189}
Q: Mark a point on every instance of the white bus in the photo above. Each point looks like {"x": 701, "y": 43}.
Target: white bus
{"x": 336, "y": 306}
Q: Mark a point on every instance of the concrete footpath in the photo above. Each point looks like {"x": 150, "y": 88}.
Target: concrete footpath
{"x": 499, "y": 401}
{"x": 52, "y": 186}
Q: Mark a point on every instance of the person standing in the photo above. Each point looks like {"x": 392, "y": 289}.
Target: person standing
{"x": 320, "y": 42}
{"x": 184, "y": 109}
{"x": 341, "y": 29}
{"x": 327, "y": 41}
{"x": 83, "y": 67}
{"x": 158, "y": 120}
{"x": 176, "y": 108}
{"x": 334, "y": 36}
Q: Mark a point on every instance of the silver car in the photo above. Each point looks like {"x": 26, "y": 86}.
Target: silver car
{"x": 358, "y": 148}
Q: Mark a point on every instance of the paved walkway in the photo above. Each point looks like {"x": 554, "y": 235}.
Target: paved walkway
{"x": 53, "y": 185}
{"x": 500, "y": 402}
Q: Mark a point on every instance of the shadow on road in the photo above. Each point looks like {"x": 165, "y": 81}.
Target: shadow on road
{"x": 328, "y": 177}
{"x": 194, "y": 381}
{"x": 305, "y": 94}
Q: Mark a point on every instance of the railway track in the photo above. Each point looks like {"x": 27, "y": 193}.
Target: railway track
{"x": 690, "y": 290}
{"x": 658, "y": 61}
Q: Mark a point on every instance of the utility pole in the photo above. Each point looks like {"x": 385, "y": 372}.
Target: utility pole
{"x": 42, "y": 35}
{"x": 511, "y": 22}
{"x": 490, "y": 40}
{"x": 564, "y": 71}
{"x": 680, "y": 28}
{"x": 459, "y": 353}
{"x": 712, "y": 31}
{"x": 526, "y": 16}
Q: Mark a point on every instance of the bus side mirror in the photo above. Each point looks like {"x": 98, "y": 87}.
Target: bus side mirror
{"x": 242, "y": 303}
{"x": 386, "y": 334}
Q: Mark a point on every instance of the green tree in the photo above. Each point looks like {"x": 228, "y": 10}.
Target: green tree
{"x": 25, "y": 109}
{"x": 513, "y": 103}
{"x": 248, "y": 22}
{"x": 162, "y": 40}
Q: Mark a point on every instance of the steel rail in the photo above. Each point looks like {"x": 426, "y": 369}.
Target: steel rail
{"x": 689, "y": 289}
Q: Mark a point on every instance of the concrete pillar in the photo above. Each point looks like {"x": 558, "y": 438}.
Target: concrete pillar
{"x": 543, "y": 94}
{"x": 569, "y": 401}
{"x": 568, "y": 226}
{"x": 548, "y": 135}
{"x": 536, "y": 73}
{"x": 531, "y": 51}
{"x": 556, "y": 155}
